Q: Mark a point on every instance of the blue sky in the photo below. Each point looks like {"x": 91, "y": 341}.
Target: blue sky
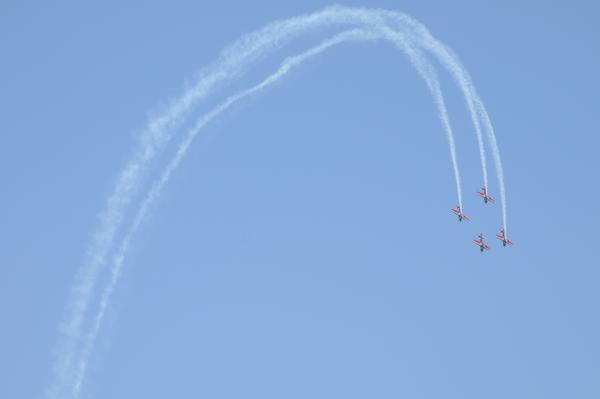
{"x": 305, "y": 246}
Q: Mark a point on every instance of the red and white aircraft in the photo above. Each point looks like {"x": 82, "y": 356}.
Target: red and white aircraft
{"x": 486, "y": 197}
{"x": 502, "y": 237}
{"x": 482, "y": 245}
{"x": 458, "y": 212}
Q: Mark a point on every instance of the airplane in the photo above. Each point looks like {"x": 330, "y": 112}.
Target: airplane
{"x": 482, "y": 245}
{"x": 502, "y": 237}
{"x": 486, "y": 197}
{"x": 458, "y": 212}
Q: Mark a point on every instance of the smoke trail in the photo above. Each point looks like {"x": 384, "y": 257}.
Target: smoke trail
{"x": 403, "y": 40}
{"x": 497, "y": 160}
{"x": 478, "y": 112}
{"x": 286, "y": 66}
{"x": 424, "y": 69}
{"x": 230, "y": 64}
{"x": 153, "y": 139}
{"x": 423, "y": 38}
{"x": 474, "y": 103}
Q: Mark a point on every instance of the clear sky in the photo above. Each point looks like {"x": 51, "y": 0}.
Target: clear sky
{"x": 305, "y": 247}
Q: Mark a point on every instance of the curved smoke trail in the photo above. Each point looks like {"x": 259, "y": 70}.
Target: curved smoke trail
{"x": 70, "y": 365}
{"x": 474, "y": 103}
{"x": 424, "y": 69}
{"x": 478, "y": 114}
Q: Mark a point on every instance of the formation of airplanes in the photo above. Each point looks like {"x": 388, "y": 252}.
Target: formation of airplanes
{"x": 480, "y": 241}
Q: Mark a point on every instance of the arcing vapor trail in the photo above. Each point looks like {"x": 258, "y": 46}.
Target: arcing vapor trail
{"x": 166, "y": 174}
{"x": 424, "y": 68}
{"x": 232, "y": 63}
{"x": 475, "y": 105}
{"x": 497, "y": 160}
{"x": 478, "y": 112}
{"x": 76, "y": 346}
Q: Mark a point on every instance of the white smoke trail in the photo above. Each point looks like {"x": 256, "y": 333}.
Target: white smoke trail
{"x": 424, "y": 39}
{"x": 474, "y": 103}
{"x": 477, "y": 108}
{"x": 404, "y": 41}
{"x": 423, "y": 67}
{"x": 154, "y": 137}
{"x": 497, "y": 160}
{"x": 157, "y": 187}
{"x": 158, "y": 133}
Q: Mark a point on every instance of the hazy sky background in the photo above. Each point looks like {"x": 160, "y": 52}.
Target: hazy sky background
{"x": 305, "y": 248}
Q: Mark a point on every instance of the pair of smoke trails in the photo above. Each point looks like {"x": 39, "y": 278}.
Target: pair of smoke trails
{"x": 71, "y": 364}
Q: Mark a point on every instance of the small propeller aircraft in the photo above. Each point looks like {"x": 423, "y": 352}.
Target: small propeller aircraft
{"x": 458, "y": 212}
{"x": 482, "y": 245}
{"x": 486, "y": 197}
{"x": 502, "y": 237}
